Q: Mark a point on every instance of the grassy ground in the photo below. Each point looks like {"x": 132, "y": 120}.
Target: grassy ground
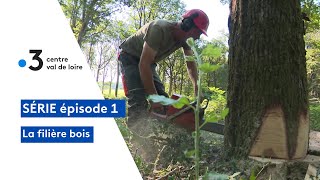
{"x": 315, "y": 117}
{"x": 165, "y": 154}
{"x": 111, "y": 95}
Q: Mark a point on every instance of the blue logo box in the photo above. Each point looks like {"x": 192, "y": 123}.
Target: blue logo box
{"x": 73, "y": 108}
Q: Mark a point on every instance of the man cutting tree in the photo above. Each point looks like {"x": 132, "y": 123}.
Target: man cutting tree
{"x": 152, "y": 43}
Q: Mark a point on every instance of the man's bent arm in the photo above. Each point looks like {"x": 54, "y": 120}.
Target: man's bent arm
{"x": 146, "y": 59}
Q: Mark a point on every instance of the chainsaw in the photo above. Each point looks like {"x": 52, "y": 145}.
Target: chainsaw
{"x": 185, "y": 117}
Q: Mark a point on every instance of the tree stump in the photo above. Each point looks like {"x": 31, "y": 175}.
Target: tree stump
{"x": 281, "y": 169}
{"x": 273, "y": 136}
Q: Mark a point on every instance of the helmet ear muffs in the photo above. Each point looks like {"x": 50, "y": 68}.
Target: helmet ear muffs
{"x": 200, "y": 19}
{"x": 187, "y": 23}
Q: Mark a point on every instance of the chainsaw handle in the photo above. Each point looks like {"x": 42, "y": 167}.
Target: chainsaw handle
{"x": 207, "y": 103}
{"x": 203, "y": 108}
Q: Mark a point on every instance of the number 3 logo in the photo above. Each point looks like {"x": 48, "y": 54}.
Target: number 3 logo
{"x": 36, "y": 58}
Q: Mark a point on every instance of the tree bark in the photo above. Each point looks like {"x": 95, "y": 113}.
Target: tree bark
{"x": 111, "y": 81}
{"x": 117, "y": 82}
{"x": 104, "y": 74}
{"x": 267, "y": 90}
{"x": 100, "y": 62}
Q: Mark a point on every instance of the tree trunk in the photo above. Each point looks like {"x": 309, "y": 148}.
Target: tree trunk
{"x": 104, "y": 74}
{"x": 181, "y": 82}
{"x": 267, "y": 90}
{"x": 90, "y": 61}
{"x": 170, "y": 82}
{"x": 111, "y": 80}
{"x": 174, "y": 81}
{"x": 100, "y": 62}
{"x": 117, "y": 82}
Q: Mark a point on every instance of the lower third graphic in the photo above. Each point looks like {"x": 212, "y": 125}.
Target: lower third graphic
{"x": 57, "y": 134}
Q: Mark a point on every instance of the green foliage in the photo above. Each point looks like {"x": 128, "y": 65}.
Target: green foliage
{"x": 216, "y": 109}
{"x": 161, "y": 99}
{"x": 172, "y": 70}
{"x": 252, "y": 176}
{"x": 88, "y": 18}
{"x": 312, "y": 39}
{"x": 207, "y": 67}
{"x": 111, "y": 94}
{"x": 312, "y": 9}
{"x": 313, "y": 63}
{"x": 215, "y": 53}
{"x": 181, "y": 102}
{"x": 168, "y": 101}
{"x": 189, "y": 58}
{"x": 142, "y": 165}
{"x": 143, "y": 11}
{"x": 315, "y": 117}
{"x": 212, "y": 51}
{"x": 190, "y": 154}
{"x": 190, "y": 42}
{"x": 215, "y": 176}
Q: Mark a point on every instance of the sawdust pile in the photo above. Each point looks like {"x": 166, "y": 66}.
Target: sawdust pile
{"x": 159, "y": 141}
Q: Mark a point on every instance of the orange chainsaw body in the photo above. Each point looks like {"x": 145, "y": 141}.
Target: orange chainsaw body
{"x": 183, "y": 117}
{"x": 186, "y": 119}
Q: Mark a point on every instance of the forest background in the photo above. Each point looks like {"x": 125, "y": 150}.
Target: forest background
{"x": 101, "y": 25}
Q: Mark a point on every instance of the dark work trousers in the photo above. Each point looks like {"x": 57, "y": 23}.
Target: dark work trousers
{"x": 137, "y": 102}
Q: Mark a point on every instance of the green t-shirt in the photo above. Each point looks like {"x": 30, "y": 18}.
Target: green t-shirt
{"x": 158, "y": 35}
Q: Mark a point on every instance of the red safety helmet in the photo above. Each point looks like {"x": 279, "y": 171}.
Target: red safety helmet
{"x": 200, "y": 19}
